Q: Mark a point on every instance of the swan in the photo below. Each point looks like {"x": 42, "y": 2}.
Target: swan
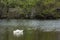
{"x": 18, "y": 32}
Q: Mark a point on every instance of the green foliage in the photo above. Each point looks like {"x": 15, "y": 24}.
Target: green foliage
{"x": 41, "y": 7}
{"x": 23, "y": 3}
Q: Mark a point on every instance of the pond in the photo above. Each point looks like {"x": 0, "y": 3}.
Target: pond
{"x": 30, "y": 27}
{"x": 43, "y": 24}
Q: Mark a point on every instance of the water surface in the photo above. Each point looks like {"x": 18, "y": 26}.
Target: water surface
{"x": 44, "y": 24}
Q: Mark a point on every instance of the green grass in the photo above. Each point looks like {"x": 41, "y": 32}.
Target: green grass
{"x": 33, "y": 34}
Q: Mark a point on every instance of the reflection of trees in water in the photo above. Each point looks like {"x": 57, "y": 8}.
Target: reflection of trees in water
{"x": 32, "y": 34}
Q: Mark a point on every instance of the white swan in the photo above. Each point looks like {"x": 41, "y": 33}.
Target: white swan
{"x": 18, "y": 32}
